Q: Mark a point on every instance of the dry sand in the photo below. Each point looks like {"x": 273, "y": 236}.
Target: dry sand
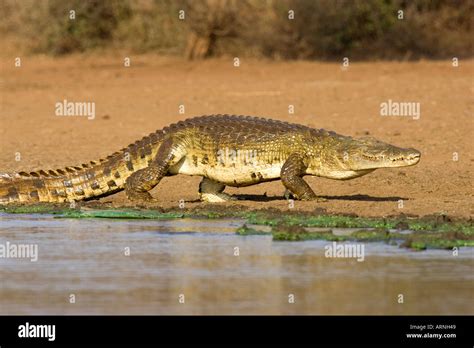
{"x": 133, "y": 101}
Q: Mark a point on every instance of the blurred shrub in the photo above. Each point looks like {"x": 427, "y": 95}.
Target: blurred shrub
{"x": 48, "y": 25}
{"x": 93, "y": 26}
{"x": 370, "y": 29}
{"x": 431, "y": 29}
{"x": 321, "y": 29}
{"x": 327, "y": 28}
{"x": 153, "y": 25}
{"x": 219, "y": 27}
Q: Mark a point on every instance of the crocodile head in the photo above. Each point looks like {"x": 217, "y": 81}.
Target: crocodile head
{"x": 370, "y": 153}
{"x": 346, "y": 157}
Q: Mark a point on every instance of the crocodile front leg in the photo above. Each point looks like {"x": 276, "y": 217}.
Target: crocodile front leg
{"x": 139, "y": 183}
{"x": 291, "y": 176}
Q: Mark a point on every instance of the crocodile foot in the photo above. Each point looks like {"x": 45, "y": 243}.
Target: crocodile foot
{"x": 305, "y": 197}
{"x": 216, "y": 197}
{"x": 314, "y": 199}
{"x": 135, "y": 196}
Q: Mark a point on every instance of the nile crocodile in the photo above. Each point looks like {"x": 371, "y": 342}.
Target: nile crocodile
{"x": 225, "y": 150}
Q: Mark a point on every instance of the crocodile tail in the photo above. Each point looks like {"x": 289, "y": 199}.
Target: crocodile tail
{"x": 62, "y": 185}
{"x": 89, "y": 180}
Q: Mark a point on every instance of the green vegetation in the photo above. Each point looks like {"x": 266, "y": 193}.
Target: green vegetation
{"x": 45, "y": 208}
{"x": 288, "y": 29}
{"x": 419, "y": 240}
{"x": 249, "y": 231}
{"x": 425, "y": 240}
{"x": 428, "y": 223}
{"x": 120, "y": 214}
{"x": 438, "y": 231}
{"x": 298, "y": 233}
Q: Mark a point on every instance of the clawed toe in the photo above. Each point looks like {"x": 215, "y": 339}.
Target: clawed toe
{"x": 304, "y": 197}
{"x": 216, "y": 197}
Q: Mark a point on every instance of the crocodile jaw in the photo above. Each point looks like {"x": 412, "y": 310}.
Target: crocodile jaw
{"x": 369, "y": 153}
{"x": 391, "y": 158}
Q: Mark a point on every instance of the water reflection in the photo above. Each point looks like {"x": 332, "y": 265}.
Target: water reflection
{"x": 195, "y": 258}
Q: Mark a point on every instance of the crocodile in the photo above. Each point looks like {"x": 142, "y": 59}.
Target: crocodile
{"x": 225, "y": 150}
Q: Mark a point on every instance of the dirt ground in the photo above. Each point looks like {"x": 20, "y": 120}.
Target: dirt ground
{"x": 133, "y": 101}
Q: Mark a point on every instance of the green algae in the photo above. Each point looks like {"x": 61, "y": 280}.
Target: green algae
{"x": 120, "y": 214}
{"x": 421, "y": 240}
{"x": 299, "y": 233}
{"x": 35, "y": 209}
{"x": 302, "y": 235}
{"x": 377, "y": 235}
{"x": 267, "y": 217}
{"x": 249, "y": 231}
{"x": 434, "y": 231}
{"x": 458, "y": 235}
{"x": 418, "y": 240}
{"x": 429, "y": 223}
{"x": 67, "y": 211}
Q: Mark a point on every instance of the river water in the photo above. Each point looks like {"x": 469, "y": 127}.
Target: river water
{"x": 200, "y": 266}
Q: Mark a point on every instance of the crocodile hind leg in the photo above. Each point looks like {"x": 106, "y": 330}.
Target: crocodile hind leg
{"x": 211, "y": 191}
{"x": 292, "y": 178}
{"x": 139, "y": 183}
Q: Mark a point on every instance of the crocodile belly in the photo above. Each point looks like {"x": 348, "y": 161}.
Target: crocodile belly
{"x": 234, "y": 174}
